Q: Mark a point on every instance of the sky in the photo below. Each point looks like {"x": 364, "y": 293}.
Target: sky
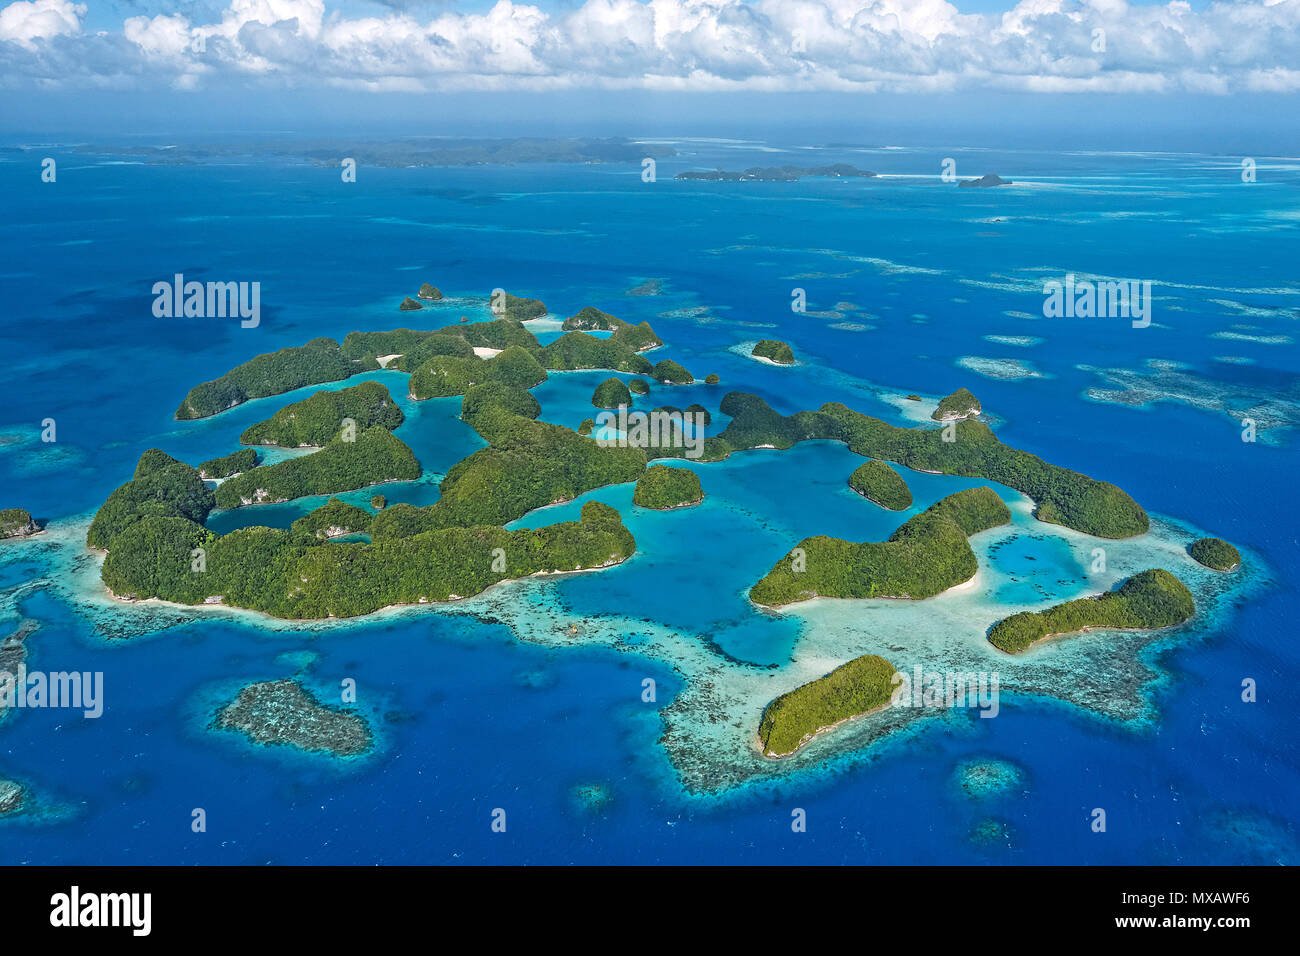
{"x": 556, "y": 66}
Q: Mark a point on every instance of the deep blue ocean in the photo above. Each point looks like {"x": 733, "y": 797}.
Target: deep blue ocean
{"x": 912, "y": 285}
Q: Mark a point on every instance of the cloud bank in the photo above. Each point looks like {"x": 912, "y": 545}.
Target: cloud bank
{"x": 908, "y": 46}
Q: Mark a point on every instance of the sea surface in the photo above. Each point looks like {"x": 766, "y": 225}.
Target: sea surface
{"x": 529, "y": 698}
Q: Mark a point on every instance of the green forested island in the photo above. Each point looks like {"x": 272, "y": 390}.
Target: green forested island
{"x": 663, "y": 488}
{"x": 774, "y": 350}
{"x": 638, "y": 386}
{"x": 1150, "y": 599}
{"x": 858, "y": 687}
{"x": 670, "y": 373}
{"x": 1215, "y": 553}
{"x": 611, "y": 393}
{"x": 17, "y": 523}
{"x": 332, "y": 519}
{"x": 376, "y": 455}
{"x": 410, "y": 305}
{"x": 926, "y": 556}
{"x": 960, "y": 404}
{"x": 228, "y": 465}
{"x": 877, "y": 482}
{"x": 274, "y": 373}
{"x": 429, "y": 291}
{"x": 315, "y": 421}
{"x": 161, "y": 487}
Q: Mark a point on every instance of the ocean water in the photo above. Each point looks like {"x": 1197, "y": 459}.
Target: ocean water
{"x": 521, "y": 697}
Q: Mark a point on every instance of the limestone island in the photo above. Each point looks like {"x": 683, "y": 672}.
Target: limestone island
{"x": 877, "y": 482}
{"x": 670, "y": 373}
{"x": 315, "y": 421}
{"x": 228, "y": 465}
{"x": 17, "y": 523}
{"x": 774, "y": 174}
{"x": 1214, "y": 553}
{"x": 859, "y": 687}
{"x": 638, "y": 386}
{"x": 429, "y": 291}
{"x": 1146, "y": 601}
{"x": 988, "y": 179}
{"x": 774, "y": 351}
{"x": 663, "y": 489}
{"x": 283, "y": 713}
{"x": 960, "y": 404}
{"x": 410, "y": 305}
{"x": 925, "y": 557}
{"x": 611, "y": 393}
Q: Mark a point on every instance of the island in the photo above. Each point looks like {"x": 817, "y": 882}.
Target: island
{"x": 228, "y": 465}
{"x": 859, "y": 687}
{"x": 17, "y": 523}
{"x": 429, "y": 291}
{"x": 315, "y": 421}
{"x": 670, "y": 373}
{"x": 1146, "y": 601}
{"x": 410, "y": 305}
{"x": 697, "y": 412}
{"x": 378, "y": 502}
{"x": 988, "y": 179}
{"x": 284, "y": 713}
{"x": 611, "y": 393}
{"x": 274, "y": 373}
{"x": 518, "y": 401}
{"x": 960, "y": 404}
{"x": 639, "y": 386}
{"x": 333, "y": 519}
{"x": 1214, "y": 553}
{"x": 924, "y": 557}
{"x": 877, "y": 482}
{"x": 662, "y": 488}
{"x": 162, "y": 487}
{"x": 774, "y": 174}
{"x": 373, "y": 456}
{"x": 774, "y": 351}
{"x": 591, "y": 319}
{"x": 712, "y": 379}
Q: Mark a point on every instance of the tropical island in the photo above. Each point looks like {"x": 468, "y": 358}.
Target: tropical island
{"x": 773, "y": 350}
{"x": 924, "y": 557}
{"x": 429, "y": 291}
{"x": 333, "y": 519}
{"x": 227, "y": 465}
{"x": 1149, "y": 600}
{"x": 1214, "y": 553}
{"x": 611, "y": 393}
{"x": 862, "y": 685}
{"x": 669, "y": 372}
{"x": 17, "y": 523}
{"x": 877, "y": 482}
{"x": 315, "y": 421}
{"x": 663, "y": 488}
{"x": 410, "y": 305}
{"x": 988, "y": 179}
{"x": 960, "y": 404}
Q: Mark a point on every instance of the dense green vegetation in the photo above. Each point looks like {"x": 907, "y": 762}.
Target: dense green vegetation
{"x": 877, "y": 482}
{"x": 519, "y": 309}
{"x": 663, "y": 488}
{"x": 429, "y": 291}
{"x": 316, "y": 420}
{"x": 273, "y": 373}
{"x": 578, "y": 350}
{"x": 638, "y": 386}
{"x": 512, "y": 398}
{"x": 1150, "y": 599}
{"x": 1062, "y": 496}
{"x": 15, "y": 522}
{"x": 228, "y": 465}
{"x": 1215, "y": 553}
{"x": 926, "y": 556}
{"x": 379, "y": 502}
{"x": 774, "y": 350}
{"x": 695, "y": 408}
{"x": 611, "y": 393}
{"x": 292, "y": 575}
{"x": 376, "y": 455}
{"x": 410, "y": 305}
{"x": 591, "y": 319}
{"x": 860, "y": 686}
{"x": 587, "y": 426}
{"x": 670, "y": 373}
{"x": 446, "y": 375}
{"x": 959, "y": 404}
{"x": 335, "y": 517}
{"x": 161, "y": 487}
{"x": 712, "y": 379}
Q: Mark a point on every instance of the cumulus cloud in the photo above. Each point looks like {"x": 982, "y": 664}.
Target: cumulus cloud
{"x": 885, "y": 45}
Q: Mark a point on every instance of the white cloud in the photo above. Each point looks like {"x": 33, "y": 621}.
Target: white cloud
{"x": 885, "y": 45}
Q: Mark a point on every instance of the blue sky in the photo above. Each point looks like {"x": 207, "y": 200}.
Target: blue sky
{"x": 622, "y": 63}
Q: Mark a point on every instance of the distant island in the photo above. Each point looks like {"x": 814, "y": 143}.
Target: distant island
{"x": 1214, "y": 553}
{"x": 227, "y": 465}
{"x": 988, "y": 179}
{"x": 877, "y": 482}
{"x": 1151, "y": 599}
{"x": 774, "y": 351}
{"x": 960, "y": 404}
{"x": 862, "y": 685}
{"x": 410, "y": 305}
{"x": 17, "y": 523}
{"x": 663, "y": 488}
{"x": 774, "y": 174}
{"x": 429, "y": 291}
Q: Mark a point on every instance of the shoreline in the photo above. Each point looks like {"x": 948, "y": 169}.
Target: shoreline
{"x": 809, "y": 738}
